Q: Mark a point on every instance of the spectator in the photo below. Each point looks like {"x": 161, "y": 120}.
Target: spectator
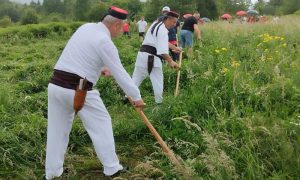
{"x": 126, "y": 29}
{"x": 142, "y": 26}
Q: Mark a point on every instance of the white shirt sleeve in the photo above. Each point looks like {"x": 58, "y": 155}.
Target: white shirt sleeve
{"x": 110, "y": 57}
{"x": 162, "y": 46}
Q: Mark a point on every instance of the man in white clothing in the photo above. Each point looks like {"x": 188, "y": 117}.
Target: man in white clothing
{"x": 154, "y": 49}
{"x": 89, "y": 54}
{"x": 142, "y": 26}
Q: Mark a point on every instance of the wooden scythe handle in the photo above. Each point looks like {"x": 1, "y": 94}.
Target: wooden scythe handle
{"x": 178, "y": 75}
{"x": 164, "y": 146}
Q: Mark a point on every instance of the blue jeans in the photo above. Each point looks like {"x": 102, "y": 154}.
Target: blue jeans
{"x": 186, "y": 37}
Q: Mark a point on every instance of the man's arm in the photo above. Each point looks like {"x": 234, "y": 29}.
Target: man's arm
{"x": 110, "y": 57}
{"x": 174, "y": 48}
{"x": 197, "y": 31}
{"x": 170, "y": 61}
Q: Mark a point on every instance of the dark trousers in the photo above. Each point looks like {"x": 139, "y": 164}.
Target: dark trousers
{"x": 175, "y": 56}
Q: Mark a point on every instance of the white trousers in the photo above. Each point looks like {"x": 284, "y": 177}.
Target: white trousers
{"x": 96, "y": 121}
{"x": 156, "y": 77}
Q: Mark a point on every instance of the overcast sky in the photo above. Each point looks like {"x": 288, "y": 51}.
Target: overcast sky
{"x": 25, "y": 1}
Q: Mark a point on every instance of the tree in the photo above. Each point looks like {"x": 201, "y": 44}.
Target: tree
{"x": 81, "y": 8}
{"x": 290, "y": 6}
{"x": 30, "y": 17}
{"x": 134, "y": 6}
{"x": 278, "y": 7}
{"x": 260, "y": 6}
{"x": 232, "y": 6}
{"x": 69, "y": 8}
{"x": 152, "y": 10}
{"x": 11, "y": 10}
{"x": 5, "y": 21}
{"x": 52, "y": 6}
{"x": 207, "y": 8}
{"x": 97, "y": 12}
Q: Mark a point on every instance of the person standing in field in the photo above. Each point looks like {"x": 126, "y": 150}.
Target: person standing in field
{"x": 190, "y": 27}
{"x": 153, "y": 50}
{"x": 172, "y": 35}
{"x": 89, "y": 53}
{"x": 126, "y": 29}
{"x": 142, "y": 26}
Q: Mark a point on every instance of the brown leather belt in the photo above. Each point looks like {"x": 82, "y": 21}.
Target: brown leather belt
{"x": 68, "y": 80}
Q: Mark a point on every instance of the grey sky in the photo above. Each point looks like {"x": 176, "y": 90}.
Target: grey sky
{"x": 25, "y": 1}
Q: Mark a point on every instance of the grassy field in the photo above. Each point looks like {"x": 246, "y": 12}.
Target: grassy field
{"x": 237, "y": 115}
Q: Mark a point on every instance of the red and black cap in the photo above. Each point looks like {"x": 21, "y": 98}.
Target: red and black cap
{"x": 173, "y": 14}
{"x": 116, "y": 12}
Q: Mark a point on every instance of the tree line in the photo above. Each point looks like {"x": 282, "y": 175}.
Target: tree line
{"x": 93, "y": 10}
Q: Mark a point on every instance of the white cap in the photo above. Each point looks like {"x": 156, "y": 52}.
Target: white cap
{"x": 166, "y": 8}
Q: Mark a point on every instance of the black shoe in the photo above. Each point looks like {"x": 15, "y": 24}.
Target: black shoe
{"x": 117, "y": 174}
{"x": 125, "y": 100}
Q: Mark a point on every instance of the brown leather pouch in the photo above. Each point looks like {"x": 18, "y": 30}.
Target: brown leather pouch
{"x": 79, "y": 99}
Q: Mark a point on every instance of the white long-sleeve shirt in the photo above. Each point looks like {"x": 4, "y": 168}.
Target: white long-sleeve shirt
{"x": 142, "y": 25}
{"x": 159, "y": 41}
{"x": 91, "y": 48}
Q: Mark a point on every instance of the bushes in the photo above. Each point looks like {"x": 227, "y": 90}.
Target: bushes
{"x": 30, "y": 17}
{"x": 5, "y": 21}
{"x": 39, "y": 31}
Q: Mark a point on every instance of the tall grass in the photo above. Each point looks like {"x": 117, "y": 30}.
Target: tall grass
{"x": 237, "y": 115}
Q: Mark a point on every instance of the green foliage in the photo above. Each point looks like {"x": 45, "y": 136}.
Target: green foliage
{"x": 92, "y": 10}
{"x": 9, "y": 9}
{"x": 279, "y": 7}
{"x": 54, "y": 17}
{"x": 5, "y": 21}
{"x": 232, "y": 6}
{"x": 236, "y": 117}
{"x": 30, "y": 17}
{"x": 208, "y": 8}
{"x": 297, "y": 12}
{"x": 53, "y": 6}
{"x": 81, "y": 8}
{"x": 97, "y": 12}
{"x": 38, "y": 31}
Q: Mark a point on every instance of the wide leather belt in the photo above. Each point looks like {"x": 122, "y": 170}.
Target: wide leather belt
{"x": 150, "y": 50}
{"x": 68, "y": 80}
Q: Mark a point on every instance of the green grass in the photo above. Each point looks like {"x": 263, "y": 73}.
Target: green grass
{"x": 237, "y": 115}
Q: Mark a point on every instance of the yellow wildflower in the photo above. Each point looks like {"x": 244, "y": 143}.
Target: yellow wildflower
{"x": 276, "y": 37}
{"x": 217, "y": 50}
{"x": 224, "y": 70}
{"x": 266, "y": 40}
{"x": 224, "y": 49}
{"x": 235, "y": 64}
